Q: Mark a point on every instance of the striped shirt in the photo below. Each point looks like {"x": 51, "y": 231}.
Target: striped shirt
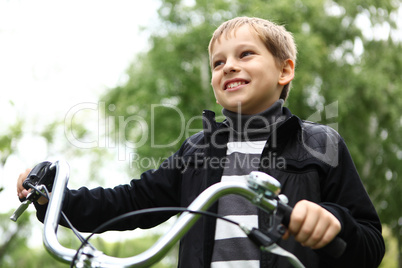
{"x": 232, "y": 247}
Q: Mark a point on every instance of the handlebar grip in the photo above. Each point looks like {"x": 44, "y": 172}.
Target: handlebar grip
{"x": 286, "y": 211}
{"x": 333, "y": 249}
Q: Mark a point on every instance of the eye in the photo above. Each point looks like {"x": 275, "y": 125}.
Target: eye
{"x": 246, "y": 53}
{"x": 217, "y": 63}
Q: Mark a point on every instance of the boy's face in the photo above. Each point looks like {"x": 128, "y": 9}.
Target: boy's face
{"x": 245, "y": 76}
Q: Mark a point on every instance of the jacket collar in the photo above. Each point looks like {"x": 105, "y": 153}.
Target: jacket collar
{"x": 291, "y": 124}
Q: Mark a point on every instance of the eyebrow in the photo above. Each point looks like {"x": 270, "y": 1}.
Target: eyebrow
{"x": 240, "y": 46}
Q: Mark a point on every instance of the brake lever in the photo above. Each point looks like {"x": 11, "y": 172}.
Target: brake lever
{"x": 267, "y": 243}
{"x": 275, "y": 249}
{"x": 31, "y": 197}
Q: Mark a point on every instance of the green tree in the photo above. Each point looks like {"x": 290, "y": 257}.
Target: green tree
{"x": 347, "y": 76}
{"x": 13, "y": 237}
{"x": 17, "y": 253}
{"x": 9, "y": 138}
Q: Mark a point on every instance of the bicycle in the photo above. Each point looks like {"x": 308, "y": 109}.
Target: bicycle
{"x": 260, "y": 189}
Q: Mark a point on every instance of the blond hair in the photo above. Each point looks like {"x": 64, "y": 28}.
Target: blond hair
{"x": 276, "y": 38}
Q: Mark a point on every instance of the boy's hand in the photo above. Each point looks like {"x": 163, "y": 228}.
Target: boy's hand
{"x": 22, "y": 192}
{"x": 312, "y": 225}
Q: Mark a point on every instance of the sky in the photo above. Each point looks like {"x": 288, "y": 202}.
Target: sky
{"x": 66, "y": 50}
{"x": 55, "y": 55}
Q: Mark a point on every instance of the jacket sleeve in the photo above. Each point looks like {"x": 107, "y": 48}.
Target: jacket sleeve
{"x": 345, "y": 196}
{"x": 88, "y": 209}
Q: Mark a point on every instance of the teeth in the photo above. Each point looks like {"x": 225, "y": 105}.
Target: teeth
{"x": 235, "y": 84}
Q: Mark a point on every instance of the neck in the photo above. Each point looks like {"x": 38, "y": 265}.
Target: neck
{"x": 264, "y": 120}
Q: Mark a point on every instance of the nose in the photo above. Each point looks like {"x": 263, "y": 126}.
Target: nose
{"x": 231, "y": 66}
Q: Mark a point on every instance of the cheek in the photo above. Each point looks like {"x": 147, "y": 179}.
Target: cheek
{"x": 215, "y": 87}
{"x": 215, "y": 82}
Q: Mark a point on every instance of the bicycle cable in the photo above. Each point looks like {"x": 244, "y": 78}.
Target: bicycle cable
{"x": 75, "y": 231}
{"x": 147, "y": 211}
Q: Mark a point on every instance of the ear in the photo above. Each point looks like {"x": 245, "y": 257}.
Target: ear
{"x": 287, "y": 72}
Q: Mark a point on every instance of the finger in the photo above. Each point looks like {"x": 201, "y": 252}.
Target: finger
{"x": 315, "y": 238}
{"x": 20, "y": 180}
{"x": 42, "y": 200}
{"x": 24, "y": 193}
{"x": 286, "y": 235}
{"x": 297, "y": 217}
{"x": 331, "y": 231}
{"x": 308, "y": 227}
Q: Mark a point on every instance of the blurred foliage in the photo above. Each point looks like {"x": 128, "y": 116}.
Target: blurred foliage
{"x": 19, "y": 254}
{"x": 13, "y": 239}
{"x": 9, "y": 138}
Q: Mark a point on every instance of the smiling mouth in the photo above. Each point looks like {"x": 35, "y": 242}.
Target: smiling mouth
{"x": 235, "y": 84}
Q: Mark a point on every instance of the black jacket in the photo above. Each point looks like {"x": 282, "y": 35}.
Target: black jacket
{"x": 311, "y": 161}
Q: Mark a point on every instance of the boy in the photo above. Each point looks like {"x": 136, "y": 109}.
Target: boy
{"x": 252, "y": 62}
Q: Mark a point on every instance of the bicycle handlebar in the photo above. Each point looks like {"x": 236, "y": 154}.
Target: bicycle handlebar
{"x": 260, "y": 192}
{"x": 162, "y": 246}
